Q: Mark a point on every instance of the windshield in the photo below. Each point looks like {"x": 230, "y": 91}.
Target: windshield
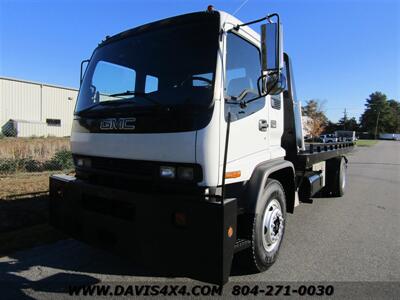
{"x": 171, "y": 66}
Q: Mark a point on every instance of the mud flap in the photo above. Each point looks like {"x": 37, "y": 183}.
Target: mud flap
{"x": 169, "y": 235}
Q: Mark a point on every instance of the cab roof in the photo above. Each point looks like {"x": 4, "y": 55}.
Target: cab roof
{"x": 226, "y": 20}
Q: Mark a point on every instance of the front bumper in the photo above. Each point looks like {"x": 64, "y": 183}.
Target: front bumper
{"x": 144, "y": 228}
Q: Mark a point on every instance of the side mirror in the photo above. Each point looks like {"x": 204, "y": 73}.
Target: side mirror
{"x": 272, "y": 56}
{"x": 272, "y": 47}
{"x": 83, "y": 62}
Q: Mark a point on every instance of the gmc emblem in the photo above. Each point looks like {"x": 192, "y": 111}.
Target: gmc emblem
{"x": 118, "y": 124}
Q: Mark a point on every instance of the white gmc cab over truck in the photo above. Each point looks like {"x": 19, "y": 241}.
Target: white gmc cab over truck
{"x": 188, "y": 147}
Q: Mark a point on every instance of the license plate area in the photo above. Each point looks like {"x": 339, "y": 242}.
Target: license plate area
{"x": 116, "y": 208}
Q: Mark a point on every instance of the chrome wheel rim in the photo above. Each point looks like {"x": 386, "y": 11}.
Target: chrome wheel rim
{"x": 272, "y": 225}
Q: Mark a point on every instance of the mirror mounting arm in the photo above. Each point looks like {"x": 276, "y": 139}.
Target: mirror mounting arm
{"x": 268, "y": 18}
{"x": 271, "y": 16}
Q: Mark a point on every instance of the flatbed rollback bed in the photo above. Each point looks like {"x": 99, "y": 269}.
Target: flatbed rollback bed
{"x": 318, "y": 152}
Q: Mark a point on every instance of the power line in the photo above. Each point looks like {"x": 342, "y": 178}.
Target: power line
{"x": 240, "y": 7}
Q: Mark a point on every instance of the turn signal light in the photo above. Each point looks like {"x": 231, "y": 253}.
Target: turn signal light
{"x": 233, "y": 174}
{"x": 230, "y": 231}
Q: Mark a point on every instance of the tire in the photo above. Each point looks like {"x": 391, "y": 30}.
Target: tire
{"x": 271, "y": 207}
{"x": 335, "y": 183}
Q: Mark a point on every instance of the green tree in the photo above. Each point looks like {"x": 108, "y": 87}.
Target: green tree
{"x": 331, "y": 127}
{"x": 314, "y": 110}
{"x": 348, "y": 124}
{"x": 343, "y": 124}
{"x": 393, "y": 124}
{"x": 377, "y": 114}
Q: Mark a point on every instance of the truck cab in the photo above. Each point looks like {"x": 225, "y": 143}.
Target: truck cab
{"x": 163, "y": 93}
{"x": 188, "y": 147}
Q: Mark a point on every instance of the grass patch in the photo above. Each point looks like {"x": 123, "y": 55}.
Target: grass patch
{"x": 61, "y": 160}
{"x": 34, "y": 154}
{"x": 40, "y": 149}
{"x": 24, "y": 183}
{"x": 366, "y": 143}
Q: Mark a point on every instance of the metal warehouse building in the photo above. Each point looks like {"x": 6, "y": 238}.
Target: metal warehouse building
{"x": 35, "y": 109}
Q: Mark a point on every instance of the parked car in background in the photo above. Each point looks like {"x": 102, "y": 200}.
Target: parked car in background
{"x": 345, "y": 135}
{"x": 389, "y": 136}
{"x": 328, "y": 138}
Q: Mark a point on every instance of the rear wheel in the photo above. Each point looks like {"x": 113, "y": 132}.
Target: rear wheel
{"x": 335, "y": 183}
{"x": 267, "y": 230}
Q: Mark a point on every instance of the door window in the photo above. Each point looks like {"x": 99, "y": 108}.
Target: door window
{"x": 243, "y": 68}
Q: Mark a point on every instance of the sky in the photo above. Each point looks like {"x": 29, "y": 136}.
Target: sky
{"x": 342, "y": 51}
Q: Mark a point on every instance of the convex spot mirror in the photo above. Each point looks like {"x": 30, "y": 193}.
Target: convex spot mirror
{"x": 275, "y": 84}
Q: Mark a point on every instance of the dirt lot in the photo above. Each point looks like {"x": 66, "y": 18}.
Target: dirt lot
{"x": 26, "y": 183}
{"x": 24, "y": 211}
{"x": 24, "y": 223}
{"x": 27, "y": 237}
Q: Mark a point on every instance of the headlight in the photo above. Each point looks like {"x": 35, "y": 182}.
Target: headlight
{"x": 167, "y": 172}
{"x": 83, "y": 162}
{"x": 185, "y": 173}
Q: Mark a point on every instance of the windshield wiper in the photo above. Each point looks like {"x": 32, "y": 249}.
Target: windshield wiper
{"x": 123, "y": 101}
{"x": 139, "y": 94}
{"x": 103, "y": 103}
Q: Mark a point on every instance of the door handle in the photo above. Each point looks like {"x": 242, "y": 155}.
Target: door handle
{"x": 262, "y": 125}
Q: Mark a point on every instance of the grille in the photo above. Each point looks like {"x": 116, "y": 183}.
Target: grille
{"x": 141, "y": 169}
{"x": 134, "y": 175}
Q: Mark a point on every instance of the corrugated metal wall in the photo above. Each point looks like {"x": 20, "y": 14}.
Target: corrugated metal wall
{"x": 31, "y": 104}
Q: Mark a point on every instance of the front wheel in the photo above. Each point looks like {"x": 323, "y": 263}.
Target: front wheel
{"x": 268, "y": 228}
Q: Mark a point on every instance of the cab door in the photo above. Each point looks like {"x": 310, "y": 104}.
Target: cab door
{"x": 276, "y": 125}
{"x": 249, "y": 127}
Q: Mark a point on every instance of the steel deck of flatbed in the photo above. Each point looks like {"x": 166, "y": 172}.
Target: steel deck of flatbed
{"x": 317, "y": 152}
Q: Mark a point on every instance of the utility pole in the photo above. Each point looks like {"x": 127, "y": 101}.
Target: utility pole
{"x": 344, "y": 119}
{"x": 377, "y": 120}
